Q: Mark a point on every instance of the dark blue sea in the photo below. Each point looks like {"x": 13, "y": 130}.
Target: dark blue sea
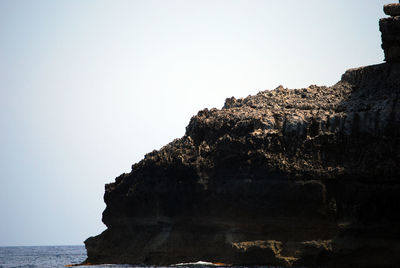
{"x": 57, "y": 256}
{"x": 43, "y": 256}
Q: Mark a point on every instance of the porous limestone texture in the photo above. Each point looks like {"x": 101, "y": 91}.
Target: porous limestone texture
{"x": 289, "y": 177}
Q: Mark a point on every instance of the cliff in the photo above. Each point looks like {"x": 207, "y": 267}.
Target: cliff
{"x": 286, "y": 177}
{"x": 290, "y": 177}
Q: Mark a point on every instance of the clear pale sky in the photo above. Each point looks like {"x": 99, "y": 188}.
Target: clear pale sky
{"x": 88, "y": 87}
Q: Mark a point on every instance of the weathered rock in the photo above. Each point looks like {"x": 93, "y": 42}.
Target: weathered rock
{"x": 286, "y": 177}
{"x": 390, "y": 29}
{"x": 392, "y": 9}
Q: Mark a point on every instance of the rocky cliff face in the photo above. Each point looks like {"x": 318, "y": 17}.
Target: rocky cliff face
{"x": 290, "y": 177}
{"x": 286, "y": 177}
{"x": 390, "y": 28}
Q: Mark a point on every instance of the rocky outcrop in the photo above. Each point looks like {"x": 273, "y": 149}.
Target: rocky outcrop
{"x": 392, "y": 9}
{"x": 288, "y": 177}
{"x": 390, "y": 28}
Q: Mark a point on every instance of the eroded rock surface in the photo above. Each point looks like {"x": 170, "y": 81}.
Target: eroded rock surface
{"x": 287, "y": 177}
{"x": 390, "y": 29}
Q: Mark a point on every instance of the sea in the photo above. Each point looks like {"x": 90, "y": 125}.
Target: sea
{"x": 63, "y": 256}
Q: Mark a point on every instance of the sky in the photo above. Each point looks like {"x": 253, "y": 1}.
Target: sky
{"x": 87, "y": 88}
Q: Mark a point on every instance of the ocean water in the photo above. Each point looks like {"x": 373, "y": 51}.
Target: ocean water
{"x": 59, "y": 256}
{"x": 43, "y": 256}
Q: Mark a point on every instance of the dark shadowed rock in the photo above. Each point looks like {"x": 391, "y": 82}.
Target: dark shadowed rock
{"x": 390, "y": 29}
{"x": 286, "y": 177}
{"x": 392, "y": 9}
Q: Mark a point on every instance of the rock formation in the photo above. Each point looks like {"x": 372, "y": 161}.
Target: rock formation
{"x": 289, "y": 177}
{"x": 390, "y": 28}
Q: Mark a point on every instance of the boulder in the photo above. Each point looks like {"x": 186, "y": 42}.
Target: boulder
{"x": 392, "y": 9}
